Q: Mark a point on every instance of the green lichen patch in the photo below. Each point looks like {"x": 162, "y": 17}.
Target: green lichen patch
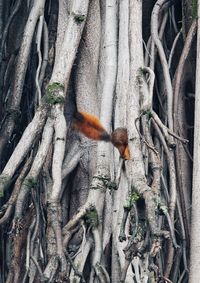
{"x": 4, "y": 184}
{"x": 133, "y": 198}
{"x": 163, "y": 209}
{"x": 141, "y": 76}
{"x": 194, "y": 9}
{"x": 105, "y": 182}
{"x": 53, "y": 94}
{"x": 112, "y": 186}
{"x": 148, "y": 113}
{"x": 79, "y": 18}
{"x": 160, "y": 207}
{"x": 142, "y": 71}
{"x": 91, "y": 218}
{"x": 30, "y": 182}
{"x": 55, "y": 86}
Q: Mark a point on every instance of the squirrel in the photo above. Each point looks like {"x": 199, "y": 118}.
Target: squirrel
{"x": 91, "y": 127}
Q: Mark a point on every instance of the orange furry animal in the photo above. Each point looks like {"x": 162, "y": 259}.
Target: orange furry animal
{"x": 119, "y": 139}
{"x": 92, "y": 128}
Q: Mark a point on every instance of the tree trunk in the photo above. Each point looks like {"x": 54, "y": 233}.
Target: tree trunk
{"x": 102, "y": 198}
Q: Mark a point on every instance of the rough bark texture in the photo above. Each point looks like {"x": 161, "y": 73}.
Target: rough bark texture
{"x": 71, "y": 208}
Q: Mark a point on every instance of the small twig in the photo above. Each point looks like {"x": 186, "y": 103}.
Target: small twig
{"x": 147, "y": 53}
{"x": 171, "y": 228}
{"x": 142, "y": 137}
{"x": 160, "y": 100}
{"x": 44, "y": 53}
{"x": 181, "y": 67}
{"x": 170, "y": 162}
{"x": 38, "y": 267}
{"x": 173, "y": 48}
{"x": 25, "y": 277}
{"x": 155, "y": 37}
{"x": 185, "y": 141}
{"x": 167, "y": 131}
{"x": 165, "y": 188}
{"x": 38, "y": 43}
{"x": 164, "y": 130}
{"x": 182, "y": 276}
{"x": 173, "y": 19}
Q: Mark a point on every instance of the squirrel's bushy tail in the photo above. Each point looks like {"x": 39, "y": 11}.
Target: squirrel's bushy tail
{"x": 90, "y": 126}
